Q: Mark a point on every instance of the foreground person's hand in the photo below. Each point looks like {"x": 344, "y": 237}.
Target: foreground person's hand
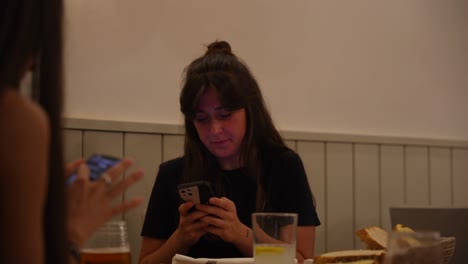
{"x": 90, "y": 202}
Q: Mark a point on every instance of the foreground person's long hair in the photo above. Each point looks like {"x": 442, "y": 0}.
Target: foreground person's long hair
{"x": 31, "y": 34}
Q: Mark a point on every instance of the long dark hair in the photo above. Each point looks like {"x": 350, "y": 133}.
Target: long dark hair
{"x": 236, "y": 88}
{"x": 31, "y": 32}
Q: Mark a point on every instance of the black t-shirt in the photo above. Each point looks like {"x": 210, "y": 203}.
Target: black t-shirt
{"x": 285, "y": 180}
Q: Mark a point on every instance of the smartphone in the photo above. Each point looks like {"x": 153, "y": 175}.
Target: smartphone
{"x": 197, "y": 192}
{"x": 97, "y": 164}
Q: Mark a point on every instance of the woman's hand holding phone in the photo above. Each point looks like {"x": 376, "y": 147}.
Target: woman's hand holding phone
{"x": 190, "y": 228}
{"x": 221, "y": 220}
{"x": 89, "y": 202}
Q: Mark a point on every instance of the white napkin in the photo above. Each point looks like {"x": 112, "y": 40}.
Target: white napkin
{"x": 182, "y": 259}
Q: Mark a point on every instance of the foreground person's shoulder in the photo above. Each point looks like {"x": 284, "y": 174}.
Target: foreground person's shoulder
{"x": 20, "y": 116}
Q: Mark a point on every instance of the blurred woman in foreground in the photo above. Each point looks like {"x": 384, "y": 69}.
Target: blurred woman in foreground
{"x": 36, "y": 226}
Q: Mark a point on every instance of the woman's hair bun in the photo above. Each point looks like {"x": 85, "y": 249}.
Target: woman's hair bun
{"x": 219, "y": 47}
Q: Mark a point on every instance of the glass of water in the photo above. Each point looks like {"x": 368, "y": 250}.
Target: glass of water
{"x": 274, "y": 237}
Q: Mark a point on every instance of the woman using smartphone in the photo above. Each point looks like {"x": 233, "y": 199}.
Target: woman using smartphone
{"x": 230, "y": 141}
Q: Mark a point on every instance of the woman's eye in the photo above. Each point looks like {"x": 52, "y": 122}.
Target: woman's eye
{"x": 225, "y": 115}
{"x": 200, "y": 118}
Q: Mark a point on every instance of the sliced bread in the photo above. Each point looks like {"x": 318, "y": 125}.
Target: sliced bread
{"x": 402, "y": 228}
{"x": 345, "y": 256}
{"x": 374, "y": 237}
{"x": 364, "y": 261}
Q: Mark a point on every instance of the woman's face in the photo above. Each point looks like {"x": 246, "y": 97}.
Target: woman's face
{"x": 221, "y": 131}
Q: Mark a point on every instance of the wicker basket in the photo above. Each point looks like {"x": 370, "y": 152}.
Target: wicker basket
{"x": 425, "y": 254}
{"x": 448, "y": 248}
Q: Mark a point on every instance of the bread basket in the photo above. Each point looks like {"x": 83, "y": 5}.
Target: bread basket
{"x": 448, "y": 248}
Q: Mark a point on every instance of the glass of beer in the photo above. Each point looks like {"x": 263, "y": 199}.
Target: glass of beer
{"x": 108, "y": 245}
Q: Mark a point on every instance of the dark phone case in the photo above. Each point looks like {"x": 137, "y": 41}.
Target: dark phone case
{"x": 197, "y": 192}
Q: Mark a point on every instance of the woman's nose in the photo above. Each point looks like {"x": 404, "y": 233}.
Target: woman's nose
{"x": 216, "y": 127}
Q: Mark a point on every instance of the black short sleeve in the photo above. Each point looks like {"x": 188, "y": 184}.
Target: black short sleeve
{"x": 289, "y": 189}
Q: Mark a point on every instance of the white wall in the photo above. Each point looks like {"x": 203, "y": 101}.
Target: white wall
{"x": 396, "y": 68}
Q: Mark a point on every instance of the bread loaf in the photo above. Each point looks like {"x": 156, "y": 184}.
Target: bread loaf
{"x": 346, "y": 256}
{"x": 374, "y": 237}
{"x": 402, "y": 228}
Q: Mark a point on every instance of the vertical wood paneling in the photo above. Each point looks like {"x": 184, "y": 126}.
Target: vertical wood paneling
{"x": 173, "y": 146}
{"x": 339, "y": 187}
{"x": 354, "y": 186}
{"x": 366, "y": 181}
{"x": 313, "y": 157}
{"x": 392, "y": 181}
{"x": 440, "y": 177}
{"x": 460, "y": 177}
{"x": 72, "y": 145}
{"x": 417, "y": 176}
{"x": 145, "y": 149}
{"x": 110, "y": 143}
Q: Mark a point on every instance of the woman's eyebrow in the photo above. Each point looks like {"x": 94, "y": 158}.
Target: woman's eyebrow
{"x": 217, "y": 109}
{"x": 221, "y": 108}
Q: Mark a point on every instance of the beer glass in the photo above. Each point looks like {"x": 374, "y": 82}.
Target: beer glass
{"x": 274, "y": 238}
{"x": 108, "y": 245}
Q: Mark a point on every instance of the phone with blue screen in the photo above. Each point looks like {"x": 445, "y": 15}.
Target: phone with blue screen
{"x": 97, "y": 164}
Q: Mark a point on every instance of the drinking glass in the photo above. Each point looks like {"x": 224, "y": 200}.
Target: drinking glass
{"x": 108, "y": 245}
{"x": 421, "y": 247}
{"x": 274, "y": 238}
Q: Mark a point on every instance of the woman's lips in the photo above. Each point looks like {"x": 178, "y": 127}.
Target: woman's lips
{"x": 219, "y": 142}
